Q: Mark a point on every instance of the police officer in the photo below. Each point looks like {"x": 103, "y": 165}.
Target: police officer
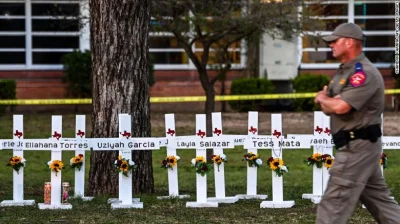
{"x": 355, "y": 102}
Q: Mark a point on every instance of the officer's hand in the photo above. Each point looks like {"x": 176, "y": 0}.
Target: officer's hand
{"x": 321, "y": 94}
{"x": 325, "y": 90}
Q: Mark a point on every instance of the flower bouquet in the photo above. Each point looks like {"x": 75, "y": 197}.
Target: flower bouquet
{"x": 320, "y": 160}
{"x": 277, "y": 165}
{"x": 124, "y": 165}
{"x": 16, "y": 162}
{"x": 201, "y": 165}
{"x": 56, "y": 165}
{"x": 170, "y": 162}
{"x": 315, "y": 159}
{"x": 218, "y": 159}
{"x": 253, "y": 160}
{"x": 76, "y": 162}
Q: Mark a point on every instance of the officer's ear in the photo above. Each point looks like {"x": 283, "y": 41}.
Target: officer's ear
{"x": 349, "y": 42}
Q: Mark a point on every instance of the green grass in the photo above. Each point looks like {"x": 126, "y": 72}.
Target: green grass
{"x": 296, "y": 182}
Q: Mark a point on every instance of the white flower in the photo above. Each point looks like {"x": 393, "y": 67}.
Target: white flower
{"x": 71, "y": 162}
{"x": 131, "y": 163}
{"x": 177, "y": 157}
{"x": 115, "y": 162}
{"x": 259, "y": 161}
{"x": 49, "y": 163}
{"x": 23, "y": 161}
{"x": 193, "y": 162}
{"x": 223, "y": 156}
{"x": 284, "y": 168}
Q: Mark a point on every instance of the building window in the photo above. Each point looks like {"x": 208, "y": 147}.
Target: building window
{"x": 12, "y": 33}
{"x": 38, "y": 35}
{"x": 375, "y": 17}
{"x": 55, "y": 31}
{"x": 12, "y": 57}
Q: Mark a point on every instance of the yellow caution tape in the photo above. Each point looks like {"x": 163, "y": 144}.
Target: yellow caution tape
{"x": 45, "y": 102}
{"x": 177, "y": 99}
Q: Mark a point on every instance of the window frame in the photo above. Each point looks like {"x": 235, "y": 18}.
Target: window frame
{"x": 351, "y": 18}
{"x": 28, "y": 33}
{"x": 83, "y": 39}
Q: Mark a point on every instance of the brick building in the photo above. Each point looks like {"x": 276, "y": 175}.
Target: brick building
{"x": 35, "y": 34}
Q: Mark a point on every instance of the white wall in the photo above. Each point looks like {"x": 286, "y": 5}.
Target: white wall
{"x": 279, "y": 58}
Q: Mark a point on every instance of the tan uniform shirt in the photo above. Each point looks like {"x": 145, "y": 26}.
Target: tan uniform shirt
{"x": 361, "y": 87}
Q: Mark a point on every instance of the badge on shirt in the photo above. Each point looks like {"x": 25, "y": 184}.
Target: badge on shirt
{"x": 359, "y": 76}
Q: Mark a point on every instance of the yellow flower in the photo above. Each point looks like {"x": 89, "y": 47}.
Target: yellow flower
{"x": 274, "y": 164}
{"x": 316, "y": 156}
{"x": 12, "y": 163}
{"x": 124, "y": 166}
{"x": 328, "y": 162}
{"x": 381, "y": 161}
{"x": 77, "y": 159}
{"x": 217, "y": 159}
{"x": 119, "y": 157}
{"x": 56, "y": 165}
{"x": 253, "y": 156}
{"x": 15, "y": 160}
{"x": 172, "y": 160}
{"x": 200, "y": 159}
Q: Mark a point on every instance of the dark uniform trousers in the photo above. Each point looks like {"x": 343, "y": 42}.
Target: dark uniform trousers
{"x": 356, "y": 175}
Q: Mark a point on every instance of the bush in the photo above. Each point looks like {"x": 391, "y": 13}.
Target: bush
{"x": 249, "y": 86}
{"x": 77, "y": 74}
{"x": 308, "y": 83}
{"x": 7, "y": 91}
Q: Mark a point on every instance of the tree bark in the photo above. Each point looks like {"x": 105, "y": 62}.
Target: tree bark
{"x": 120, "y": 46}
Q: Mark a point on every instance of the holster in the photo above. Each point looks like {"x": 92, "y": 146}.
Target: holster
{"x": 343, "y": 137}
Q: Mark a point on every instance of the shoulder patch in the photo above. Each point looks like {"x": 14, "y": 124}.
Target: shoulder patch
{"x": 358, "y": 79}
{"x": 359, "y": 76}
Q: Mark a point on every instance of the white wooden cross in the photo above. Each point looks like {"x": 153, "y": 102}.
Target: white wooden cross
{"x": 56, "y": 154}
{"x": 277, "y": 182}
{"x": 276, "y": 142}
{"x": 170, "y": 132}
{"x": 322, "y": 143}
{"x": 18, "y": 177}
{"x": 201, "y": 181}
{"x": 219, "y": 172}
{"x": 80, "y": 134}
{"x": 252, "y": 131}
{"x": 125, "y": 144}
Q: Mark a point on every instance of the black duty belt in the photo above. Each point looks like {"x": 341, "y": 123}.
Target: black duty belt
{"x": 343, "y": 137}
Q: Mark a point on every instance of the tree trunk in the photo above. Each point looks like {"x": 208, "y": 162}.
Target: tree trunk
{"x": 119, "y": 45}
{"x": 253, "y": 56}
{"x": 223, "y": 103}
{"x": 209, "y": 108}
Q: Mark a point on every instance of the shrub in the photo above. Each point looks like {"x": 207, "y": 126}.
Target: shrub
{"x": 249, "y": 86}
{"x": 308, "y": 83}
{"x": 7, "y": 91}
{"x": 77, "y": 74}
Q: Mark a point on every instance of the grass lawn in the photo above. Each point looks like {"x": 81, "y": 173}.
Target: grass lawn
{"x": 296, "y": 182}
